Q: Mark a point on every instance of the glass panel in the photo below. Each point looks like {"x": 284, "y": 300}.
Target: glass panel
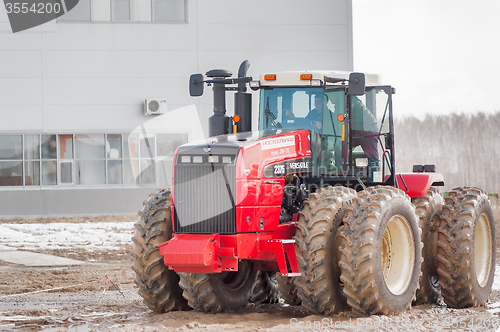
{"x": 66, "y": 172}
{"x": 89, "y": 172}
{"x": 164, "y": 172}
{"x": 169, "y": 11}
{"x": 49, "y": 147}
{"x": 49, "y": 172}
{"x": 167, "y": 143}
{"x": 122, "y": 10}
{"x": 142, "y": 11}
{"x": 334, "y": 105}
{"x": 11, "y": 147}
{"x": 130, "y": 147}
{"x": 368, "y": 131}
{"x": 148, "y": 147}
{"x": 11, "y": 173}
{"x": 66, "y": 146}
{"x": 114, "y": 146}
{"x": 89, "y": 146}
{"x": 101, "y": 10}
{"x": 81, "y": 12}
{"x": 147, "y": 171}
{"x": 290, "y": 108}
{"x": 31, "y": 147}
{"x": 115, "y": 172}
{"x": 130, "y": 167}
{"x": 32, "y": 171}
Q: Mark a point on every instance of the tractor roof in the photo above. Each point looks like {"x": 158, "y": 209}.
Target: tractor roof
{"x": 309, "y": 78}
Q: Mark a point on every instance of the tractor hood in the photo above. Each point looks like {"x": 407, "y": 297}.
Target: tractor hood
{"x": 249, "y": 152}
{"x": 218, "y": 178}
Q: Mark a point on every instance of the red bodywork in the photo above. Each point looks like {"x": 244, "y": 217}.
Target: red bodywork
{"x": 269, "y": 245}
{"x": 418, "y": 184}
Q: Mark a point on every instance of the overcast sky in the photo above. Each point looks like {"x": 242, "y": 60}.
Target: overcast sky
{"x": 442, "y": 56}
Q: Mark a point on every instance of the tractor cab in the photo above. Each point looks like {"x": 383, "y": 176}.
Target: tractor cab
{"x": 351, "y": 133}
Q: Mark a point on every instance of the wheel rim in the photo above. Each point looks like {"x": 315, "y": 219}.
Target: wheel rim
{"x": 483, "y": 250}
{"x": 398, "y": 254}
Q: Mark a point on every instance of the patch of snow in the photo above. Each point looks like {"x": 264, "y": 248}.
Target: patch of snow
{"x": 99, "y": 236}
{"x": 496, "y": 280}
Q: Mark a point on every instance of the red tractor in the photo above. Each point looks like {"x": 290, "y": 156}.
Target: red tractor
{"x": 312, "y": 197}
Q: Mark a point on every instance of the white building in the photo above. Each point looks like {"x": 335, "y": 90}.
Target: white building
{"x": 72, "y": 90}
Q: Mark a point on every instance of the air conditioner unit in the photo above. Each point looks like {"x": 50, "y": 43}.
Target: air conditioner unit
{"x": 155, "y": 106}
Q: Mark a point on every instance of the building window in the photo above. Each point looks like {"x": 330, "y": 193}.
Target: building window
{"x": 167, "y": 143}
{"x": 81, "y": 12}
{"x": 122, "y": 10}
{"x": 90, "y": 165}
{"x": 48, "y": 147}
{"x": 127, "y": 10}
{"x": 32, "y": 160}
{"x": 61, "y": 160}
{"x": 169, "y": 10}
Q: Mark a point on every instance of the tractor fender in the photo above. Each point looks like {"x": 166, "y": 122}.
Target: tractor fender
{"x": 418, "y": 184}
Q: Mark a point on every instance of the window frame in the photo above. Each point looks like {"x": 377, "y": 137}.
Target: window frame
{"x": 139, "y": 160}
{"x": 133, "y": 17}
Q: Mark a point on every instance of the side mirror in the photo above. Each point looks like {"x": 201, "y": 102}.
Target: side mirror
{"x": 196, "y": 85}
{"x": 356, "y": 84}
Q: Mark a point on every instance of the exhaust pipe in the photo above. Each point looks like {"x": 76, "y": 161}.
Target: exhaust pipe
{"x": 220, "y": 123}
{"x": 243, "y": 101}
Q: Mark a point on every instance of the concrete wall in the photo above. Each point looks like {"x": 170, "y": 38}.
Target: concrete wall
{"x": 69, "y": 77}
{"x": 72, "y": 201}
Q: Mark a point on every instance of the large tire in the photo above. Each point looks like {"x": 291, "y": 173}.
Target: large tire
{"x": 158, "y": 286}
{"x": 466, "y": 248}
{"x": 265, "y": 289}
{"x": 316, "y": 243}
{"x": 219, "y": 292}
{"x": 380, "y": 252}
{"x": 287, "y": 289}
{"x": 428, "y": 209}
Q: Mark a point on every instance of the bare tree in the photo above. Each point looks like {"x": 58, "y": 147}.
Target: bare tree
{"x": 465, "y": 148}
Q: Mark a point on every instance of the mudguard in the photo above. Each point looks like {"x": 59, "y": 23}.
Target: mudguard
{"x": 418, "y": 184}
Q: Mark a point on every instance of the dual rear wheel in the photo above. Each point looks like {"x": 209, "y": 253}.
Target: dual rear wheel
{"x": 360, "y": 250}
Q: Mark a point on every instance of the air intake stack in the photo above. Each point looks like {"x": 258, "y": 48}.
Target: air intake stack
{"x": 220, "y": 123}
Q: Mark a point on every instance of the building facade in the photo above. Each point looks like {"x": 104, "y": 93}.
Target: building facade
{"x": 74, "y": 137}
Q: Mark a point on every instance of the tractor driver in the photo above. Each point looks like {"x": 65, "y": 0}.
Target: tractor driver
{"x": 316, "y": 114}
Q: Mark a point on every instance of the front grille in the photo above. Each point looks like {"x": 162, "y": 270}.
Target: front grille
{"x": 204, "y": 198}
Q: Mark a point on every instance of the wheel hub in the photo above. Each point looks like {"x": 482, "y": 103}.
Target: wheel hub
{"x": 483, "y": 250}
{"x": 398, "y": 255}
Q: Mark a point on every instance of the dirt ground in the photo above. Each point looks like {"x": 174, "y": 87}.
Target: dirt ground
{"x": 86, "y": 308}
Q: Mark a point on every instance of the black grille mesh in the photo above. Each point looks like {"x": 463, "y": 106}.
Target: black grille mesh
{"x": 204, "y": 199}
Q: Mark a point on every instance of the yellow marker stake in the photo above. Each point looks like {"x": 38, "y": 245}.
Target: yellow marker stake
{"x": 343, "y": 132}
{"x": 234, "y": 129}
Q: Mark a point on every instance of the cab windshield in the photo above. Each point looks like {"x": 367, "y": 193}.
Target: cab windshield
{"x": 296, "y": 108}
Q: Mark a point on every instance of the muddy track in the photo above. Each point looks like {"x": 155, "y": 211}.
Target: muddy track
{"x": 85, "y": 308}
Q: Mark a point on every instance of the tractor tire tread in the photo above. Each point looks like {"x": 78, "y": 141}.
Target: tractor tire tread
{"x": 158, "y": 286}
